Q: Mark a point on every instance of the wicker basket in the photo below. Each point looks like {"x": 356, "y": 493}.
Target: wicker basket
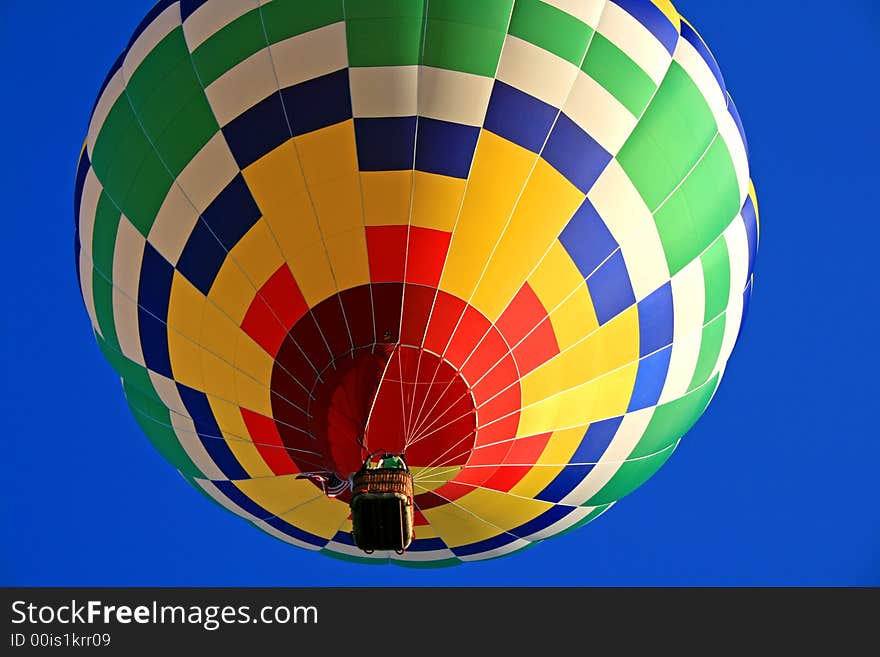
{"x": 383, "y": 480}
{"x": 382, "y": 509}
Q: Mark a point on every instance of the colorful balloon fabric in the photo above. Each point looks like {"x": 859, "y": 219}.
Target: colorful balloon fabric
{"x": 511, "y": 239}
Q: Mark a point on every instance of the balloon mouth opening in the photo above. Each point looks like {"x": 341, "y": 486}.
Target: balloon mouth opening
{"x": 392, "y": 398}
{"x": 332, "y": 411}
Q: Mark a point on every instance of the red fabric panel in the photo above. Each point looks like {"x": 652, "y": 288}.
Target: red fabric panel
{"x": 536, "y": 349}
{"x": 268, "y": 442}
{"x": 417, "y": 304}
{"x": 447, "y": 310}
{"x": 491, "y": 350}
{"x": 500, "y": 430}
{"x": 386, "y": 309}
{"x": 495, "y": 380}
{"x": 386, "y": 250}
{"x": 307, "y": 336}
{"x": 467, "y": 336}
{"x": 358, "y": 305}
{"x": 524, "y": 313}
{"x": 426, "y": 255}
{"x": 274, "y": 310}
{"x": 333, "y": 325}
{"x": 524, "y": 451}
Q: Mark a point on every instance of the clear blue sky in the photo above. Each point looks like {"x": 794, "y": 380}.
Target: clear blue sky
{"x": 776, "y": 484}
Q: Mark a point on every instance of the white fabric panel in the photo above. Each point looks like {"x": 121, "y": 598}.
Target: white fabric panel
{"x": 689, "y": 306}
{"x": 632, "y": 226}
{"x": 628, "y": 434}
{"x": 599, "y": 113}
{"x": 127, "y": 256}
{"x": 384, "y": 91}
{"x": 454, "y": 96}
{"x": 147, "y": 40}
{"x": 535, "y": 71}
{"x": 310, "y": 55}
{"x": 212, "y": 17}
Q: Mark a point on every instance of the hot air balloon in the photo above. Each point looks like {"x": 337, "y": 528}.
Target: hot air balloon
{"x": 511, "y": 241}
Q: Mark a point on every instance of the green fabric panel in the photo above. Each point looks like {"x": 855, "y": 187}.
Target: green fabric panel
{"x": 618, "y": 74}
{"x": 630, "y": 476}
{"x": 358, "y": 9}
{"x": 716, "y": 279}
{"x": 230, "y": 45}
{"x": 425, "y": 565}
{"x": 384, "y": 32}
{"x": 148, "y": 191}
{"x": 171, "y": 96}
{"x": 119, "y": 149}
{"x": 155, "y": 421}
{"x": 102, "y": 294}
{"x": 190, "y": 130}
{"x": 670, "y": 138}
{"x": 350, "y": 558}
{"x": 710, "y": 349}
{"x": 107, "y": 217}
{"x": 673, "y": 420}
{"x": 287, "y": 18}
{"x": 551, "y": 29}
{"x": 700, "y": 209}
{"x": 668, "y": 424}
{"x": 592, "y": 515}
{"x": 134, "y": 374}
{"x": 712, "y": 193}
{"x": 466, "y": 36}
{"x": 156, "y": 67}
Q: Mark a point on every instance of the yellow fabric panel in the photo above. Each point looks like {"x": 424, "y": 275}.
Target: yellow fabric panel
{"x": 235, "y": 432}
{"x": 280, "y": 494}
{"x": 605, "y": 397}
{"x": 231, "y": 291}
{"x": 219, "y": 334}
{"x": 322, "y": 516}
{"x": 329, "y": 160}
{"x": 219, "y": 376}
{"x": 556, "y": 454}
{"x": 253, "y": 376}
{"x": 278, "y": 186}
{"x": 502, "y": 509}
{"x": 436, "y": 200}
{"x": 257, "y": 254}
{"x": 339, "y": 211}
{"x": 431, "y": 478}
{"x": 482, "y": 514}
{"x": 185, "y": 311}
{"x": 545, "y": 207}
{"x": 328, "y": 153}
{"x": 348, "y": 253}
{"x": 387, "y": 197}
{"x": 425, "y": 531}
{"x": 338, "y": 204}
{"x": 312, "y": 271}
{"x": 614, "y": 344}
{"x": 555, "y": 277}
{"x": 456, "y": 526}
{"x": 218, "y": 338}
{"x": 498, "y": 172}
{"x": 574, "y": 318}
{"x": 671, "y": 13}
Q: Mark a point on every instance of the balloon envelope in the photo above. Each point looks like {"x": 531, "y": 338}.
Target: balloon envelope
{"x": 512, "y": 240}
